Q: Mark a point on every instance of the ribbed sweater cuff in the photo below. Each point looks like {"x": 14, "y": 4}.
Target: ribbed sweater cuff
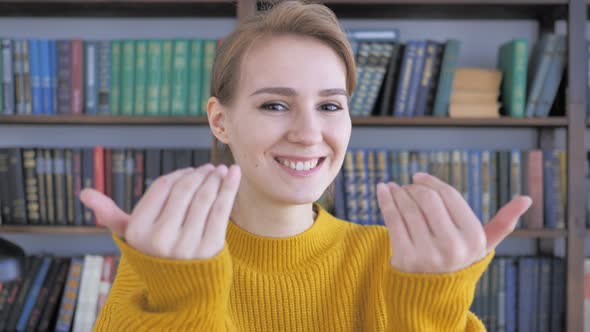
{"x": 174, "y": 285}
{"x": 432, "y": 302}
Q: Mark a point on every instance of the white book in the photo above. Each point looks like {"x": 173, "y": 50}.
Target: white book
{"x": 87, "y": 299}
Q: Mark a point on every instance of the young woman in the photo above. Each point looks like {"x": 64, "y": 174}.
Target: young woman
{"x": 246, "y": 249}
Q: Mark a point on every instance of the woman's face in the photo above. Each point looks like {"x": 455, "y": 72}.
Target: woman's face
{"x": 289, "y": 124}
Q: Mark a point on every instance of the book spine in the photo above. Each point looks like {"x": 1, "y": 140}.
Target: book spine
{"x": 195, "y": 77}
{"x": 49, "y": 310}
{"x": 104, "y": 77}
{"x": 64, "y": 76}
{"x": 128, "y": 185}
{"x": 138, "y": 176}
{"x": 115, "y": 92}
{"x": 70, "y": 294}
{"x": 35, "y": 71}
{"x": 141, "y": 63}
{"x": 88, "y": 171}
{"x": 19, "y": 210}
{"x": 210, "y": 48}
{"x": 415, "y": 77}
{"x": 180, "y": 71}
{"x": 27, "y": 78}
{"x": 53, "y": 75}
{"x": 127, "y": 77}
{"x": 549, "y": 202}
{"x": 118, "y": 177}
{"x": 77, "y": 179}
{"x": 154, "y": 76}
{"x": 33, "y": 293}
{"x": 447, "y": 75}
{"x": 166, "y": 78}
{"x": 7, "y": 78}
{"x": 390, "y": 83}
{"x": 49, "y": 192}
{"x": 538, "y": 72}
{"x": 69, "y": 190}
{"x": 485, "y": 186}
{"x": 5, "y": 193}
{"x": 91, "y": 90}
{"x": 19, "y": 95}
{"x": 77, "y": 76}
{"x": 43, "y": 295}
{"x": 426, "y": 78}
{"x": 401, "y": 96}
{"x": 520, "y": 76}
{"x": 60, "y": 186}
{"x": 31, "y": 186}
{"x": 554, "y": 77}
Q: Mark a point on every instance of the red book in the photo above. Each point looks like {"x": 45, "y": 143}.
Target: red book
{"x": 99, "y": 168}
{"x": 77, "y": 78}
{"x": 108, "y": 172}
{"x": 533, "y": 186}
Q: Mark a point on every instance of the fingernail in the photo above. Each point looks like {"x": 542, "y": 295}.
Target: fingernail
{"x": 222, "y": 169}
{"x": 393, "y": 185}
{"x": 420, "y": 176}
{"x": 381, "y": 186}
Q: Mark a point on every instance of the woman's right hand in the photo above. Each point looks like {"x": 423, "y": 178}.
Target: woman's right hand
{"x": 182, "y": 215}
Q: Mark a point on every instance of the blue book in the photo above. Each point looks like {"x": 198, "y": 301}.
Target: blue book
{"x": 549, "y": 195}
{"x": 544, "y": 293}
{"x": 474, "y": 174}
{"x": 53, "y": 75}
{"x": 401, "y": 96}
{"x": 45, "y": 76}
{"x": 538, "y": 67}
{"x": 433, "y": 49}
{"x": 558, "y": 294}
{"x": 90, "y": 77}
{"x": 416, "y": 77}
{"x": 350, "y": 190}
{"x": 383, "y": 175}
{"x": 526, "y": 305}
{"x": 554, "y": 76}
{"x": 361, "y": 181}
{"x": 32, "y": 295}
{"x": 35, "y": 70}
{"x": 511, "y": 286}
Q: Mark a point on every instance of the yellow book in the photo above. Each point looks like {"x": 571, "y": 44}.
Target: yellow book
{"x": 479, "y": 79}
{"x": 479, "y": 110}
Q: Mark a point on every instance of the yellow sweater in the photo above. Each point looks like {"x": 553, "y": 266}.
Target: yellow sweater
{"x": 336, "y": 276}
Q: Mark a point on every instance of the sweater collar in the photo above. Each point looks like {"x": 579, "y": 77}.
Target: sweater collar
{"x": 268, "y": 254}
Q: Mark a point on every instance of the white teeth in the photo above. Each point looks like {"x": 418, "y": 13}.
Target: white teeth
{"x": 299, "y": 165}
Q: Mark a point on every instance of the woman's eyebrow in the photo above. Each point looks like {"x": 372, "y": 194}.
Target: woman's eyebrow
{"x": 290, "y": 92}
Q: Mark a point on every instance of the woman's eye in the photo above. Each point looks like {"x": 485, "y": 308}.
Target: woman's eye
{"x": 330, "y": 107}
{"x": 274, "y": 107}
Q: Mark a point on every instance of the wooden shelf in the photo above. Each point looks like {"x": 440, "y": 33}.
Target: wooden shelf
{"x": 540, "y": 233}
{"x": 119, "y": 8}
{"x": 54, "y": 229}
{"x": 201, "y": 120}
{"x": 102, "y": 120}
{"x": 543, "y": 10}
{"x": 451, "y": 122}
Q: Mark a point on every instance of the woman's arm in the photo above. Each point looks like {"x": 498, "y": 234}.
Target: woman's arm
{"x": 158, "y": 294}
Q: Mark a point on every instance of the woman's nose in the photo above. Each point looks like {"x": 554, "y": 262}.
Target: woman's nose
{"x": 306, "y": 128}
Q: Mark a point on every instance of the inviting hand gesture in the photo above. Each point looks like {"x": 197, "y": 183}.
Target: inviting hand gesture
{"x": 433, "y": 230}
{"x": 183, "y": 215}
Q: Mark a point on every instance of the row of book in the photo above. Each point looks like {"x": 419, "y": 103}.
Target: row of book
{"x": 63, "y": 294}
{"x": 40, "y": 186}
{"x": 524, "y": 293}
{"x": 487, "y": 180}
{"x": 115, "y": 77}
{"x": 419, "y": 77}
{"x": 57, "y": 293}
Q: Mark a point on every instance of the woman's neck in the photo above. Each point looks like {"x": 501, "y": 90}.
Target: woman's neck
{"x": 271, "y": 219}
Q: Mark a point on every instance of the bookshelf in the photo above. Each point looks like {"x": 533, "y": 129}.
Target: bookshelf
{"x": 545, "y": 12}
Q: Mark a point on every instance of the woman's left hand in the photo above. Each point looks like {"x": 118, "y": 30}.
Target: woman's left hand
{"x": 433, "y": 229}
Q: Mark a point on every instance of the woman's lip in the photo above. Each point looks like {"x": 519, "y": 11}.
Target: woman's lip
{"x": 303, "y": 173}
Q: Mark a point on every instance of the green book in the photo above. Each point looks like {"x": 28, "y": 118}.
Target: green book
{"x": 445, "y": 80}
{"x": 513, "y": 62}
{"x": 208, "y": 58}
{"x": 127, "y": 76}
{"x": 115, "y": 95}
{"x": 154, "y": 76}
{"x": 195, "y": 73}
{"x": 140, "y": 77}
{"x": 180, "y": 78}
{"x": 165, "y": 83}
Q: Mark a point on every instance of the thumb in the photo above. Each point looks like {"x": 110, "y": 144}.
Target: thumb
{"x": 106, "y": 212}
{"x": 505, "y": 221}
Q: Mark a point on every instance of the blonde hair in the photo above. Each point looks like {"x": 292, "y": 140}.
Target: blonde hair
{"x": 286, "y": 17}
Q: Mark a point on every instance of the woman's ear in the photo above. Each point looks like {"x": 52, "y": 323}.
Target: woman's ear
{"x": 217, "y": 116}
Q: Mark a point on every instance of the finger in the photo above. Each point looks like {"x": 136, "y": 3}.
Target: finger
{"x": 106, "y": 212}
{"x": 432, "y": 207}
{"x": 459, "y": 210}
{"x": 149, "y": 206}
{"x": 192, "y": 236}
{"x": 180, "y": 197}
{"x": 401, "y": 241}
{"x": 216, "y": 224}
{"x": 505, "y": 221}
{"x": 413, "y": 218}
